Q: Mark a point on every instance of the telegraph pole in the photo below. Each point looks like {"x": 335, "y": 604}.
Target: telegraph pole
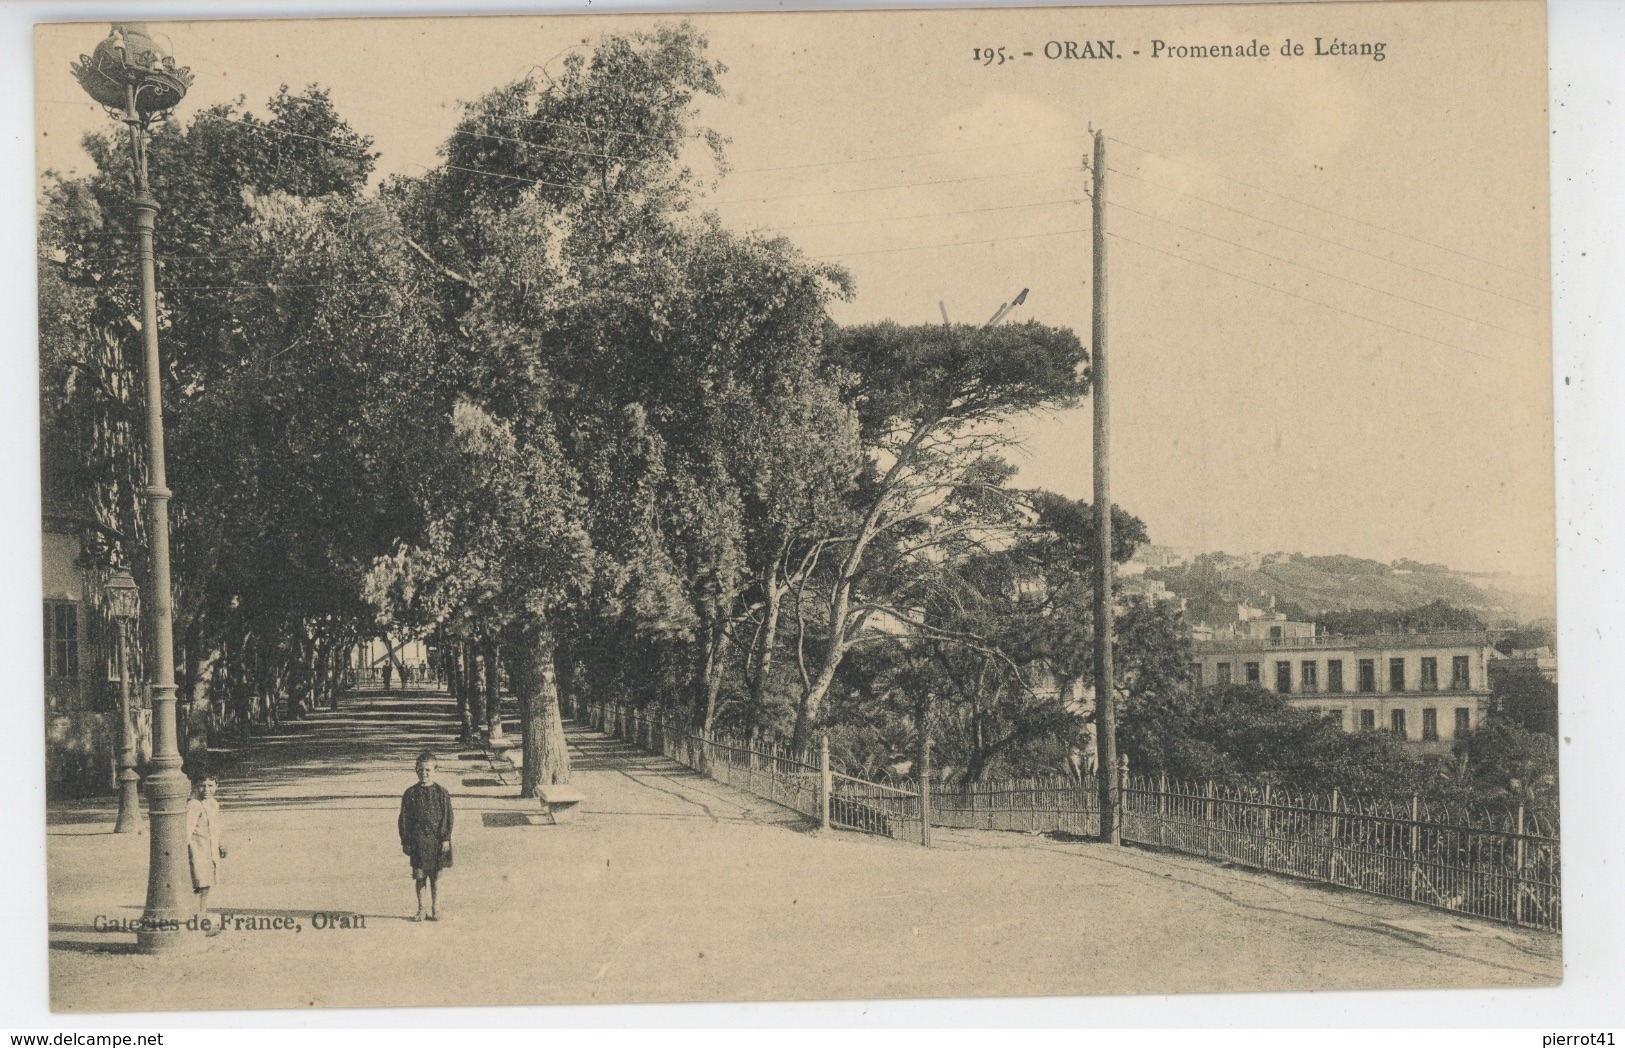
{"x": 1105, "y": 709}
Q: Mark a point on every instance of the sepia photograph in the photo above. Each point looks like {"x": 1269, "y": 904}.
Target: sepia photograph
{"x": 797, "y": 506}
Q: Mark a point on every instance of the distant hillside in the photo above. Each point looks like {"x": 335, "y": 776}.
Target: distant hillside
{"x": 1213, "y": 584}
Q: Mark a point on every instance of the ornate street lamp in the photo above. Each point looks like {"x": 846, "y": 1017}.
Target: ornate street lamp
{"x": 123, "y": 605}
{"x": 137, "y": 82}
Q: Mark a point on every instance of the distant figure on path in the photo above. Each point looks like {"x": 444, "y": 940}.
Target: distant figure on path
{"x": 203, "y": 845}
{"x": 425, "y": 826}
{"x": 389, "y": 674}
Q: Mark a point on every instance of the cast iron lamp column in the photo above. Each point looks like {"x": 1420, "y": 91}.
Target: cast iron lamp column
{"x": 130, "y": 76}
{"x": 123, "y": 607}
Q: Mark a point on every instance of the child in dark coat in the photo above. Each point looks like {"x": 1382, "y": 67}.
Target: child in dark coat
{"x": 425, "y": 826}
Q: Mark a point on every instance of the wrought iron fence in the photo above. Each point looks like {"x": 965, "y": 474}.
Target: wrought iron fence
{"x": 796, "y": 780}
{"x": 1503, "y": 868}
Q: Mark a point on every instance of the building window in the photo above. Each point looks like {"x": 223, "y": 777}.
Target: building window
{"x": 1430, "y": 724}
{"x": 1283, "y": 677}
{"x": 1334, "y": 675}
{"x": 1224, "y": 674}
{"x": 1396, "y": 674}
{"x": 1368, "y": 675}
{"x": 1458, "y": 673}
{"x": 1396, "y": 721}
{"x": 61, "y": 639}
{"x": 1368, "y": 720}
{"x": 1196, "y": 674}
{"x": 1430, "y": 675}
{"x": 1309, "y": 676}
{"x": 1336, "y": 717}
{"x": 1252, "y": 673}
{"x": 1464, "y": 722}
{"x": 1275, "y": 634}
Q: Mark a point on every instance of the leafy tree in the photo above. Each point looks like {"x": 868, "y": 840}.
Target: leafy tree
{"x": 1242, "y": 733}
{"x": 1525, "y": 699}
{"x": 1001, "y": 639}
{"x": 1527, "y": 637}
{"x": 678, "y": 367}
{"x": 502, "y": 543}
{"x": 1434, "y": 616}
{"x": 931, "y": 404}
{"x": 252, "y": 298}
{"x": 1508, "y": 764}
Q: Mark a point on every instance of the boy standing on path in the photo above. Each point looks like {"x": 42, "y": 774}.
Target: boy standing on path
{"x": 203, "y": 848}
{"x": 425, "y": 827}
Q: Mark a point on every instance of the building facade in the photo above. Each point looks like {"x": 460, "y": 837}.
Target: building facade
{"x": 1527, "y": 660}
{"x": 1429, "y": 689}
{"x": 84, "y": 671}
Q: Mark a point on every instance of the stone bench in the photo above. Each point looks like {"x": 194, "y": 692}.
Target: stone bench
{"x": 560, "y": 803}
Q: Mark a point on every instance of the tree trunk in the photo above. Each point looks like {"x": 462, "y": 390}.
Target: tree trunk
{"x": 465, "y": 720}
{"x": 476, "y": 710}
{"x": 471, "y": 670}
{"x": 840, "y": 600}
{"x": 493, "y": 689}
{"x": 717, "y": 645}
{"x": 335, "y": 671}
{"x": 813, "y": 697}
{"x": 564, "y": 665}
{"x": 769, "y": 641}
{"x": 192, "y": 690}
{"x": 535, "y": 684}
{"x": 320, "y": 677}
{"x": 451, "y": 660}
{"x": 293, "y": 682}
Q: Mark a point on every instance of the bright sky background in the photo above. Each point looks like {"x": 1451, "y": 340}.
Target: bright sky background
{"x": 1329, "y": 327}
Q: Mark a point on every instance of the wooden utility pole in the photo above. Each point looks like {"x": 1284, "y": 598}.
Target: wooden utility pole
{"x": 826, "y": 781}
{"x": 1105, "y": 709}
{"x": 925, "y": 790}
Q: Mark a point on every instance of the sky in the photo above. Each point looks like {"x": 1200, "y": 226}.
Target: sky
{"x": 1328, "y": 315}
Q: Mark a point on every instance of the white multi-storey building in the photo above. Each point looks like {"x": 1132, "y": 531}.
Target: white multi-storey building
{"x": 1427, "y": 688}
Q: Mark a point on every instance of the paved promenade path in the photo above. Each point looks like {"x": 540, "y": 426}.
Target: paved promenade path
{"x": 674, "y": 887}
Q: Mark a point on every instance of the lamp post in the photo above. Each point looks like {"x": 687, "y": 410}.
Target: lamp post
{"x": 135, "y": 81}
{"x": 123, "y": 604}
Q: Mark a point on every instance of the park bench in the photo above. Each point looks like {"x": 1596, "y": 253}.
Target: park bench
{"x": 560, "y": 803}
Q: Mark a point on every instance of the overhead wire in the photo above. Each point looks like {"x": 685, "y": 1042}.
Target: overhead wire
{"x": 1315, "y": 236}
{"x": 541, "y": 120}
{"x": 866, "y": 189}
{"x": 550, "y": 147}
{"x": 1059, "y": 233}
{"x": 900, "y": 156}
{"x": 954, "y": 243}
{"x": 1329, "y": 211}
{"x": 262, "y": 127}
{"x": 656, "y": 138}
{"x": 1322, "y": 272}
{"x": 516, "y": 178}
{"x": 273, "y": 285}
{"x": 898, "y": 185}
{"x": 1306, "y": 298}
{"x": 924, "y": 214}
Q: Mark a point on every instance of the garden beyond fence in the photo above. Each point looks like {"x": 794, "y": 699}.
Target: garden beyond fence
{"x": 1505, "y": 869}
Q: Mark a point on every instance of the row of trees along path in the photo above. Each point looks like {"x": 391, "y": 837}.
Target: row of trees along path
{"x": 541, "y": 407}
